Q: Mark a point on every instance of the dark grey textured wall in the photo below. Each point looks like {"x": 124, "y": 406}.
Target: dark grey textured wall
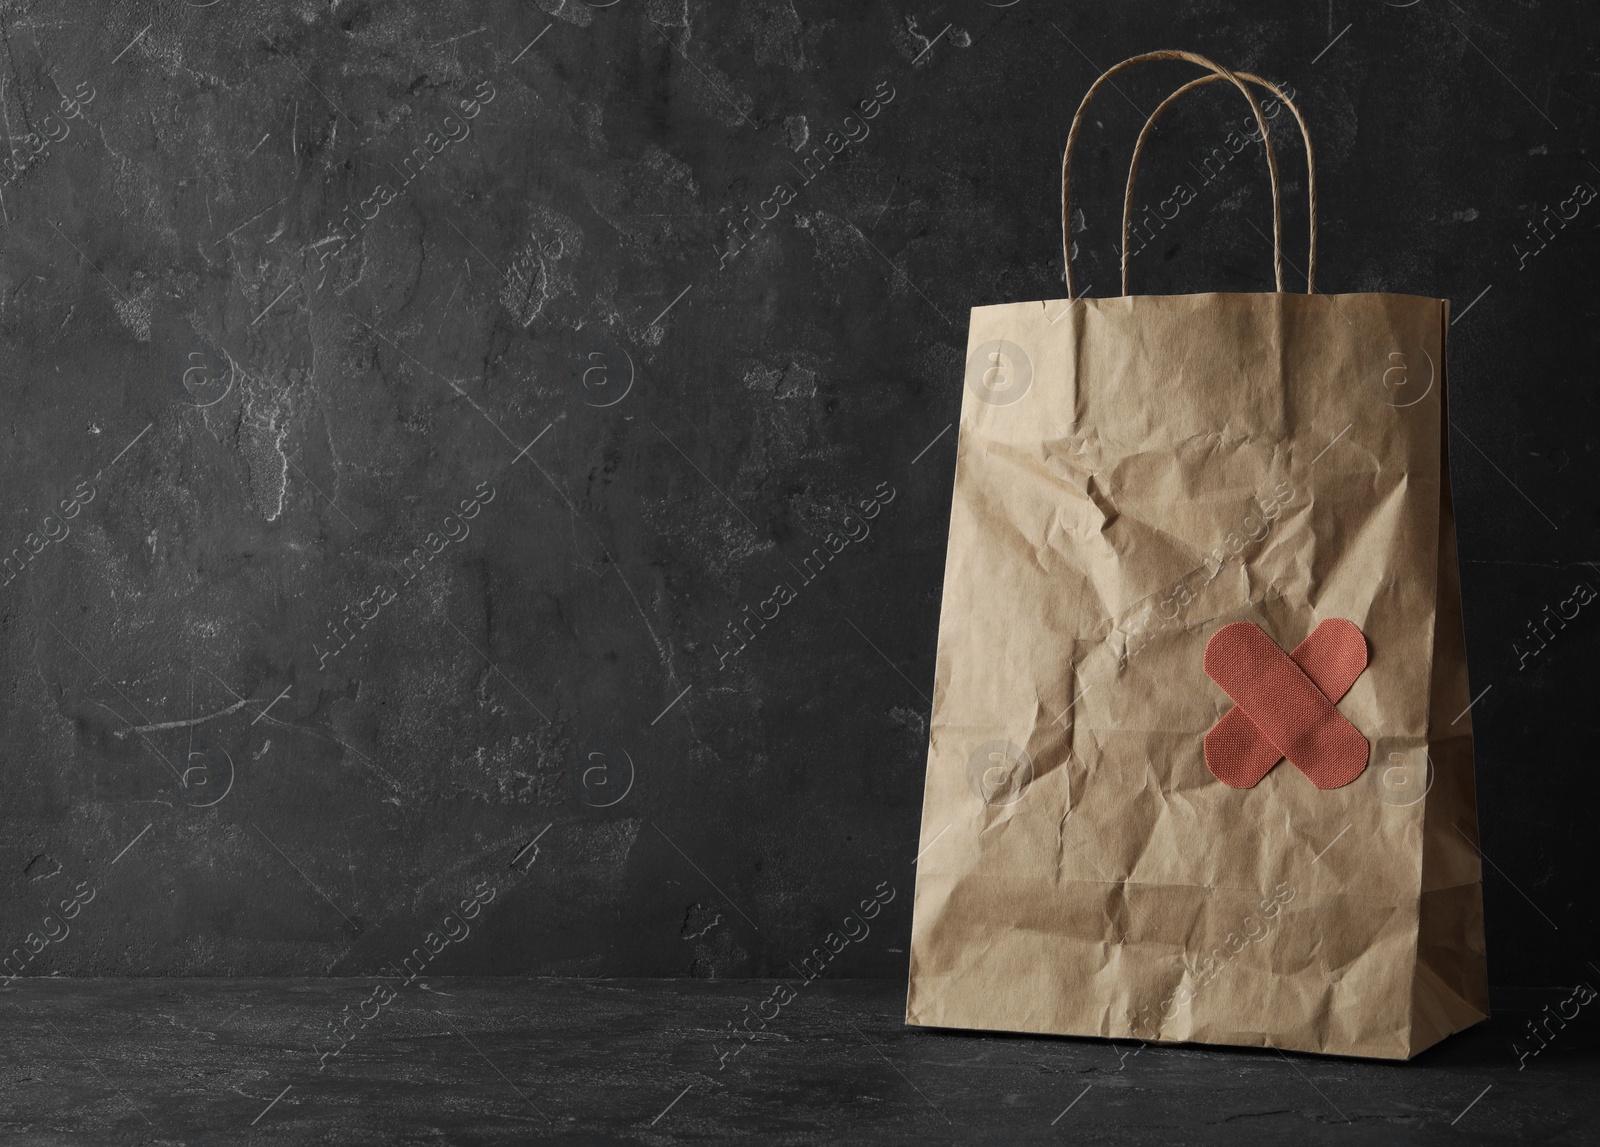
{"x": 610, "y": 361}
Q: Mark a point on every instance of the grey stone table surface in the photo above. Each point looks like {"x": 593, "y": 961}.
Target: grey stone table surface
{"x": 498, "y": 1060}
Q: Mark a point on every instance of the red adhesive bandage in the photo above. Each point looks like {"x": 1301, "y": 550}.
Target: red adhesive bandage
{"x": 1285, "y": 704}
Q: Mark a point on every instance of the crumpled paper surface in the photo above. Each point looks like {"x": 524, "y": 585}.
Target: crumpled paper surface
{"x": 1132, "y": 474}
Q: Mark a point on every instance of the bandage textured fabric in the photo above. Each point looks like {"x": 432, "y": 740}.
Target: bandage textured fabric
{"x": 1333, "y": 656}
{"x": 1282, "y": 709}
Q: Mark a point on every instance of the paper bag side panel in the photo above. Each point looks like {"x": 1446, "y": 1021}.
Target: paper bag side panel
{"x": 924, "y": 910}
{"x": 1451, "y": 990}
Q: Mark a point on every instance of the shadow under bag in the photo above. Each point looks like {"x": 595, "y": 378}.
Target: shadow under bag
{"x": 1200, "y": 758}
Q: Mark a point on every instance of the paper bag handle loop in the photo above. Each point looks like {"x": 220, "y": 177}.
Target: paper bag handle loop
{"x": 1311, "y": 167}
{"x": 1077, "y": 125}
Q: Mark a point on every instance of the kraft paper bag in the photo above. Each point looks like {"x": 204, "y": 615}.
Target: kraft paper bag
{"x": 1133, "y": 475}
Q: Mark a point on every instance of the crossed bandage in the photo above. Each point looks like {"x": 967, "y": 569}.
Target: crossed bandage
{"x": 1284, "y": 704}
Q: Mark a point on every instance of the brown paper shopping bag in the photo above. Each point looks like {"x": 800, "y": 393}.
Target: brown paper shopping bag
{"x": 1197, "y": 544}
